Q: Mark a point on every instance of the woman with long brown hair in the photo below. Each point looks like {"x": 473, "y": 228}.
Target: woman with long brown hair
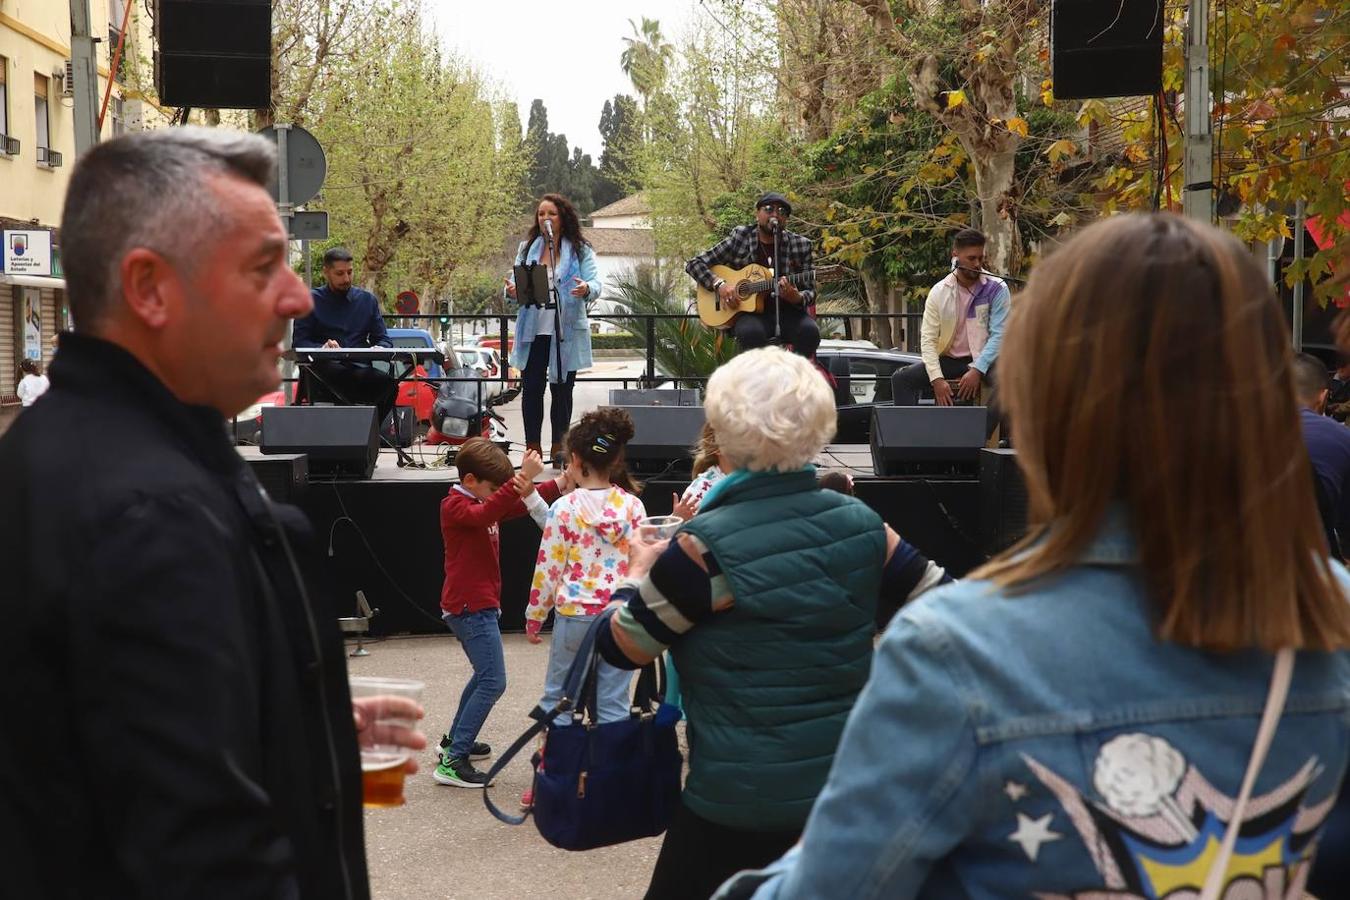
{"x": 1076, "y": 719}
{"x": 555, "y": 240}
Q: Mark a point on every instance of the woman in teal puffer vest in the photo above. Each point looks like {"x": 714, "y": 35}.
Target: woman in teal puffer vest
{"x": 767, "y": 600}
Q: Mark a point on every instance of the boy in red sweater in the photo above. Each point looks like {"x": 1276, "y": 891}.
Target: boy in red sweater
{"x": 489, "y": 491}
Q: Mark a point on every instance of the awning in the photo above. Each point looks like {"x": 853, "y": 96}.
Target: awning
{"x": 36, "y": 281}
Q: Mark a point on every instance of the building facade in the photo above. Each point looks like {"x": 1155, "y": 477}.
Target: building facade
{"x": 37, "y": 151}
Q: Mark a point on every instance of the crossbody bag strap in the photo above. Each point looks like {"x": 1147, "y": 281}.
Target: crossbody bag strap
{"x": 1270, "y": 720}
{"x": 572, "y": 686}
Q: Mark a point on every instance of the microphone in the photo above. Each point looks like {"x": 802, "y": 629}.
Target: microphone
{"x": 548, "y": 228}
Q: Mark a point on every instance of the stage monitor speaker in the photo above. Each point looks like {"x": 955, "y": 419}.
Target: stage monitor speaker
{"x": 341, "y": 441}
{"x": 1106, "y": 49}
{"x": 663, "y": 435}
{"x": 654, "y": 397}
{"x": 215, "y": 54}
{"x": 283, "y": 475}
{"x": 1003, "y": 500}
{"x": 926, "y": 439}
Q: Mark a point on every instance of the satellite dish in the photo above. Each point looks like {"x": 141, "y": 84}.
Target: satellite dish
{"x": 407, "y": 303}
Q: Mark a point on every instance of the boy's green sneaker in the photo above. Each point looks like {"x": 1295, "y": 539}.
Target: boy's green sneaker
{"x": 479, "y": 750}
{"x": 459, "y": 773}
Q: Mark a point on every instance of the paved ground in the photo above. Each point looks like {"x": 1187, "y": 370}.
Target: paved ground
{"x": 443, "y": 843}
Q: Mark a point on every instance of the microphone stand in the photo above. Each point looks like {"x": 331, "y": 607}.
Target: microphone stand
{"x": 777, "y": 274}
{"x": 556, "y": 296}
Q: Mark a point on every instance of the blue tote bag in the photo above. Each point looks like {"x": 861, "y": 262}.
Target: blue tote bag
{"x": 601, "y": 783}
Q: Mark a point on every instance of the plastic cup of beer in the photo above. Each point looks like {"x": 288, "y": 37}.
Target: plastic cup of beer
{"x": 383, "y": 763}
{"x": 659, "y": 528}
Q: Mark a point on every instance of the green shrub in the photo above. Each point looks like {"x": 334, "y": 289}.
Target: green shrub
{"x": 620, "y": 340}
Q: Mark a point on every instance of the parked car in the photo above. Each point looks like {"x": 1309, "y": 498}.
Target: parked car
{"x": 486, "y": 361}
{"x": 862, "y": 373}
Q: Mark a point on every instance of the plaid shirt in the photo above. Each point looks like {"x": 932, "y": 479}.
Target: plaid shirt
{"x": 738, "y": 250}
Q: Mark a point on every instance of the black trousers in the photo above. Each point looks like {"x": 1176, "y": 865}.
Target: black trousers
{"x": 911, "y": 382}
{"x": 799, "y": 329}
{"x": 331, "y": 381}
{"x": 532, "y": 381}
{"x": 698, "y": 855}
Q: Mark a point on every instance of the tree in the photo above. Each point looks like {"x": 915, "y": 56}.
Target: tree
{"x": 556, "y": 167}
{"x": 422, "y": 188}
{"x": 704, "y": 166}
{"x": 647, "y": 58}
{"x": 621, "y": 159}
{"x": 962, "y": 65}
{"x": 1281, "y": 119}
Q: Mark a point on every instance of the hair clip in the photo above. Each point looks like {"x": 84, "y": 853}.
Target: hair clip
{"x": 604, "y": 443}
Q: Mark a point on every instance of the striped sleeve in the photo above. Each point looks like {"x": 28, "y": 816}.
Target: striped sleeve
{"x": 684, "y": 587}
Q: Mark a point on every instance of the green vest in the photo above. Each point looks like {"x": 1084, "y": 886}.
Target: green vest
{"x": 768, "y": 684}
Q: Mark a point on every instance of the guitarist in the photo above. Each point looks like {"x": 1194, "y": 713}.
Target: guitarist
{"x": 751, "y": 244}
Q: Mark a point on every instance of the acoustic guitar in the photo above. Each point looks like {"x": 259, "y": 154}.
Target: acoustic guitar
{"x": 754, "y": 287}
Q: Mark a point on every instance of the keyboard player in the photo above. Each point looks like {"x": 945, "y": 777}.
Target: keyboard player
{"x": 345, "y": 316}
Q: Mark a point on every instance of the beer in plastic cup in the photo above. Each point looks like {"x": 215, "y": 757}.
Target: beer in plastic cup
{"x": 383, "y": 764}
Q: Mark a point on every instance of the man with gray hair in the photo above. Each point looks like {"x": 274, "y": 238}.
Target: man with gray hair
{"x": 178, "y": 722}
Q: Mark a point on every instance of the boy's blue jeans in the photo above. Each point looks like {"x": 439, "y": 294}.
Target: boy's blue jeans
{"x": 481, "y": 638}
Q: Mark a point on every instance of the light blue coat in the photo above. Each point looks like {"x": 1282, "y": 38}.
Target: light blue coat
{"x": 576, "y": 328}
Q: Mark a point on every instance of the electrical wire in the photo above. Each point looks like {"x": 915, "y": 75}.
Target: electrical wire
{"x": 360, "y": 533}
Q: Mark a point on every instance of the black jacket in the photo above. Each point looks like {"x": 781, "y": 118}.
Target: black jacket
{"x": 176, "y": 718}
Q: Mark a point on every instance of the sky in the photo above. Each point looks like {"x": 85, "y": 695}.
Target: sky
{"x": 564, "y": 53}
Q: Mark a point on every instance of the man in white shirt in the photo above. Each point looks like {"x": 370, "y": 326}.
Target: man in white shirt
{"x": 963, "y": 321}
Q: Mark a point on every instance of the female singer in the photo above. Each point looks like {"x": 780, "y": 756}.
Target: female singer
{"x": 555, "y": 241}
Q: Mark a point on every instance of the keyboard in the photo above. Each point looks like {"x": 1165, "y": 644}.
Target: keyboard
{"x": 410, "y": 355}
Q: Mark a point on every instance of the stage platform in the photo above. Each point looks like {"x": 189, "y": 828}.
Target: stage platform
{"x": 382, "y": 535}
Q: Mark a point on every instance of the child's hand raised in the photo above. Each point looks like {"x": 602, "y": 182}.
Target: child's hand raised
{"x": 524, "y": 486}
{"x": 684, "y": 510}
{"x": 531, "y": 465}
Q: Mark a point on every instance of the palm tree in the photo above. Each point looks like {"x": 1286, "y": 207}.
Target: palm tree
{"x": 685, "y": 348}
{"x": 647, "y": 58}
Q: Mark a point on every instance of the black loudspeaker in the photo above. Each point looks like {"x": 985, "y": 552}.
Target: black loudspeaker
{"x": 663, "y": 435}
{"x": 283, "y": 475}
{"x": 1106, "y": 49}
{"x": 341, "y": 441}
{"x": 215, "y": 54}
{"x": 927, "y": 439}
{"x": 1003, "y": 501}
{"x": 654, "y": 397}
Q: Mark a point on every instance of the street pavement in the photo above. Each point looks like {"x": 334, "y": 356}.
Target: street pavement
{"x": 443, "y": 843}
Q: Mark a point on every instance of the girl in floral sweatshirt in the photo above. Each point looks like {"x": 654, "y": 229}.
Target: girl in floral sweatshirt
{"x": 584, "y": 554}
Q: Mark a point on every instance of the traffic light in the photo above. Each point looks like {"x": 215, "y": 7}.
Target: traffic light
{"x": 445, "y": 312}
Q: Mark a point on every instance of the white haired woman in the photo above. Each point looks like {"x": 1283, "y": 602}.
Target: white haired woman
{"x": 767, "y": 599}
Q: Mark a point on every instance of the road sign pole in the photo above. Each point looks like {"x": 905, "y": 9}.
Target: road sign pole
{"x": 284, "y": 210}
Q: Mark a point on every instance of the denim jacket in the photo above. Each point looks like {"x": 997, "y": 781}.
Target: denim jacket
{"x": 1046, "y": 745}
